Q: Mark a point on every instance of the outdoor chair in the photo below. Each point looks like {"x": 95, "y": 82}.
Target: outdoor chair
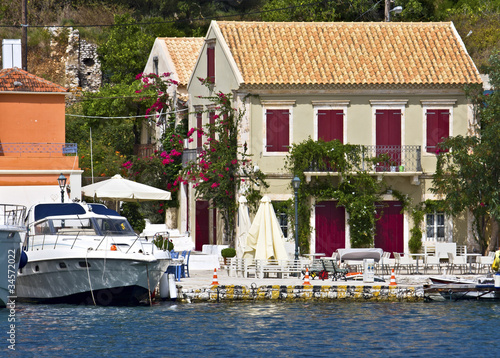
{"x": 456, "y": 262}
{"x": 315, "y": 269}
{"x": 333, "y": 270}
{"x": 403, "y": 262}
{"x": 185, "y": 263}
{"x": 432, "y": 262}
{"x": 178, "y": 267}
{"x": 484, "y": 262}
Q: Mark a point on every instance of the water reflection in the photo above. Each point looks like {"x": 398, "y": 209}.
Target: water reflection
{"x": 256, "y": 329}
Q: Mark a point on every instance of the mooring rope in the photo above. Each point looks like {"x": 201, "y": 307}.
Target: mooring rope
{"x": 88, "y": 275}
{"x": 149, "y": 289}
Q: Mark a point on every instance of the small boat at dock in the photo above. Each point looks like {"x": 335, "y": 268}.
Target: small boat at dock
{"x": 454, "y": 289}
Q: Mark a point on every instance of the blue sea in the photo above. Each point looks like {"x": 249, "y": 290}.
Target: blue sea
{"x": 255, "y": 329}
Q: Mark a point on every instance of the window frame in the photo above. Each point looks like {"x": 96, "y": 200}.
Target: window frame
{"x": 430, "y": 105}
{"x": 334, "y": 106}
{"x": 277, "y": 105}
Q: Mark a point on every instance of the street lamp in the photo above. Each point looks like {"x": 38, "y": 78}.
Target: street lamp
{"x": 388, "y": 10}
{"x": 62, "y": 184}
{"x": 296, "y": 185}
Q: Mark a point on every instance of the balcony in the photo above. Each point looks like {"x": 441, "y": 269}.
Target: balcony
{"x": 144, "y": 150}
{"x": 398, "y": 160}
{"x": 37, "y": 149}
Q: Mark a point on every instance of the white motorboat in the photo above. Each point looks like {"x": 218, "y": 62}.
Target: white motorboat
{"x": 452, "y": 288}
{"x": 12, "y": 232}
{"x": 87, "y": 254}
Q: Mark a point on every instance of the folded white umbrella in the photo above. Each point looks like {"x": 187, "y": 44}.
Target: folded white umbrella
{"x": 265, "y": 238}
{"x": 242, "y": 227}
{"x": 119, "y": 188}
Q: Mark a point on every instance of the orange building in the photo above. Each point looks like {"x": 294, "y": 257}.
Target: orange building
{"x": 33, "y": 151}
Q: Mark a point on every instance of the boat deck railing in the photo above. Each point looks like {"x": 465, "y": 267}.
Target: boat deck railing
{"x": 11, "y": 214}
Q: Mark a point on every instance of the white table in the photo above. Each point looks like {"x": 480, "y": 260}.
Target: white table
{"x": 418, "y": 256}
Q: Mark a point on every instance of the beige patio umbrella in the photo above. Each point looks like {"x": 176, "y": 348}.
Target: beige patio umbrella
{"x": 265, "y": 238}
{"x": 243, "y": 226}
{"x": 120, "y": 189}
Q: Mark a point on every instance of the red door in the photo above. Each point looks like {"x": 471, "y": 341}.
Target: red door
{"x": 202, "y": 227}
{"x": 388, "y": 137}
{"x": 330, "y": 227}
{"x": 389, "y": 229}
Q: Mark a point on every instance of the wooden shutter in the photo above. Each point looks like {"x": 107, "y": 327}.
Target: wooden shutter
{"x": 438, "y": 128}
{"x": 211, "y": 64}
{"x": 278, "y": 130}
{"x": 331, "y": 125}
{"x": 199, "y": 125}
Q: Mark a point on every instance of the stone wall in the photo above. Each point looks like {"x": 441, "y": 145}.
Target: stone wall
{"x": 83, "y": 70}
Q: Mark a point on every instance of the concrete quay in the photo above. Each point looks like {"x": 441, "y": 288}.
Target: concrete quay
{"x": 198, "y": 287}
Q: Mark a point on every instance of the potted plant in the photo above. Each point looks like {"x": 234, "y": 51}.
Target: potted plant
{"x": 227, "y": 252}
{"x": 163, "y": 244}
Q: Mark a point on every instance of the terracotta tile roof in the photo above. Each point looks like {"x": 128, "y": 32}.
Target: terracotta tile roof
{"x": 184, "y": 52}
{"x": 349, "y": 53}
{"x": 17, "y": 80}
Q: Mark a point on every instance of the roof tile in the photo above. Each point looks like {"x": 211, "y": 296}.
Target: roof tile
{"x": 349, "y": 53}
{"x": 17, "y": 80}
{"x": 184, "y": 53}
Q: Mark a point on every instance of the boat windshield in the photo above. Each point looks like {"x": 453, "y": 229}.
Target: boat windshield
{"x": 66, "y": 227}
{"x": 114, "y": 226}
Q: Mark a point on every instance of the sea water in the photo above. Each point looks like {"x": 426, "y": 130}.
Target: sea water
{"x": 255, "y": 329}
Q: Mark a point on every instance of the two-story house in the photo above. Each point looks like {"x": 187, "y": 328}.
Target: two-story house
{"x": 33, "y": 152}
{"x": 388, "y": 86}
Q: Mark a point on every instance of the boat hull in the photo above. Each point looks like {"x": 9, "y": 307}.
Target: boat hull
{"x": 100, "y": 278}
{"x": 10, "y": 247}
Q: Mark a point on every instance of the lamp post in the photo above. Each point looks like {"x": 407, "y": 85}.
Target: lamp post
{"x": 62, "y": 184}
{"x": 388, "y": 10}
{"x": 296, "y": 185}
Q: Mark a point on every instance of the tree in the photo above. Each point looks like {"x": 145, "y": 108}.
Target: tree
{"x": 222, "y": 168}
{"x": 468, "y": 169}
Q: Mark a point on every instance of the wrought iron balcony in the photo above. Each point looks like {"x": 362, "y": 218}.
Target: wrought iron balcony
{"x": 38, "y": 148}
{"x": 394, "y": 158}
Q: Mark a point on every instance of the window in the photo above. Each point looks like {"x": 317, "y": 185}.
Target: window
{"x": 331, "y": 124}
{"x": 277, "y": 130}
{"x": 281, "y": 208}
{"x": 199, "y": 125}
{"x": 155, "y": 65}
{"x": 435, "y": 226}
{"x": 211, "y": 63}
{"x": 438, "y": 128}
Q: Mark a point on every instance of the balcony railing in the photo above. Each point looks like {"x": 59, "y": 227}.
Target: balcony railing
{"x": 144, "y": 150}
{"x": 38, "y": 148}
{"x": 395, "y": 158}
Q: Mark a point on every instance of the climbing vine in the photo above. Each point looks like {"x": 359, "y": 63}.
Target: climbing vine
{"x": 353, "y": 188}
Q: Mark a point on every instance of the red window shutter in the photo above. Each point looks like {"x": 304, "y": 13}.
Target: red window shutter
{"x": 438, "y": 128}
{"x": 388, "y": 136}
{"x": 211, "y": 120}
{"x": 277, "y": 130}
{"x": 211, "y": 64}
{"x": 199, "y": 125}
{"x": 331, "y": 125}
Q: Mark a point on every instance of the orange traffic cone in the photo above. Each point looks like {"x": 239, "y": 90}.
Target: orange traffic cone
{"x": 214, "y": 281}
{"x": 393, "y": 279}
{"x": 306, "y": 278}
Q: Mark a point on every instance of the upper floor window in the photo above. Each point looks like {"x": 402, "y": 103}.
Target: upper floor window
{"x": 199, "y": 125}
{"x": 211, "y": 62}
{"x": 277, "y": 126}
{"x": 438, "y": 128}
{"x": 438, "y": 123}
{"x": 155, "y": 65}
{"x": 330, "y": 120}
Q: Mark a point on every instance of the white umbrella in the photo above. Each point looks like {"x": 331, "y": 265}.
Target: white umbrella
{"x": 265, "y": 238}
{"x": 242, "y": 227}
{"x": 121, "y": 189}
